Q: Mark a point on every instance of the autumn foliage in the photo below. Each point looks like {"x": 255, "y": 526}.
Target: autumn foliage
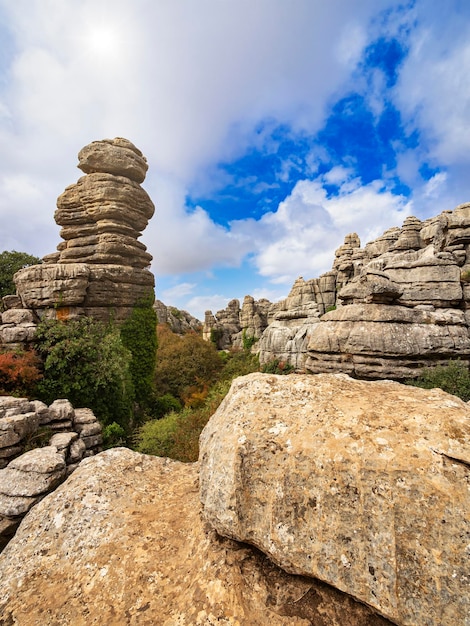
{"x": 19, "y": 372}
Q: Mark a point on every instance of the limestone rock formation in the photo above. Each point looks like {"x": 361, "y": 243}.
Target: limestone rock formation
{"x": 137, "y": 552}
{"x": 179, "y": 321}
{"x": 424, "y": 265}
{"x": 26, "y": 476}
{"x": 361, "y": 484}
{"x": 100, "y": 268}
{"x": 287, "y": 336}
{"x": 385, "y": 341}
{"x": 230, "y": 327}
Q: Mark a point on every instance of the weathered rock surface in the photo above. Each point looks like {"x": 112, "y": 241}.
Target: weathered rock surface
{"x": 115, "y": 156}
{"x": 122, "y": 542}
{"x": 179, "y": 321}
{"x": 286, "y": 338}
{"x": 385, "y": 341}
{"x": 424, "y": 265}
{"x": 361, "y": 484}
{"x": 26, "y": 476}
{"x": 100, "y": 268}
{"x": 231, "y": 326}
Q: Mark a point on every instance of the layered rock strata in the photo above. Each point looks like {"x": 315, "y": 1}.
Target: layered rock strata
{"x": 287, "y": 336}
{"x": 138, "y": 553}
{"x": 179, "y": 321}
{"x": 232, "y": 326}
{"x": 360, "y": 484}
{"x": 422, "y": 266}
{"x": 100, "y": 267}
{"x": 26, "y": 476}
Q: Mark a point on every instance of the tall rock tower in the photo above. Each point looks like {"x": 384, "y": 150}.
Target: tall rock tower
{"x": 100, "y": 268}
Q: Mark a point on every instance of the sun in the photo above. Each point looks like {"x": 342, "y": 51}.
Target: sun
{"x": 102, "y": 40}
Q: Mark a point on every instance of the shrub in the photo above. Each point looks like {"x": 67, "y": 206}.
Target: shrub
{"x": 183, "y": 363}
{"x": 465, "y": 276}
{"x": 86, "y": 362}
{"x": 453, "y": 378}
{"x": 113, "y": 435}
{"x": 19, "y": 372}
{"x": 277, "y": 367}
{"x": 164, "y": 404}
{"x": 157, "y": 437}
{"x": 248, "y": 340}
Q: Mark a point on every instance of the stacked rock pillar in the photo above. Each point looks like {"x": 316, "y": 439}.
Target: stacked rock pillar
{"x": 100, "y": 268}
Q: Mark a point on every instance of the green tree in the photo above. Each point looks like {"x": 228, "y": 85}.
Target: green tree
{"x": 184, "y": 362}
{"x": 86, "y": 362}
{"x": 10, "y": 263}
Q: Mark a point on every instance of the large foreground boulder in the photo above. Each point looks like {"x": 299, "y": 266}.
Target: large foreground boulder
{"x": 364, "y": 485}
{"x": 122, "y": 542}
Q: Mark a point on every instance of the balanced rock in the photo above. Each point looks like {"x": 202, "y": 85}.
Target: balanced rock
{"x": 363, "y": 485}
{"x": 100, "y": 268}
{"x": 137, "y": 552}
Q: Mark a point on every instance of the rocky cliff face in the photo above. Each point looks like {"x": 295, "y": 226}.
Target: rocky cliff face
{"x": 100, "y": 267}
{"x": 403, "y": 302}
{"x": 230, "y": 327}
{"x": 383, "y": 311}
{"x": 353, "y": 492}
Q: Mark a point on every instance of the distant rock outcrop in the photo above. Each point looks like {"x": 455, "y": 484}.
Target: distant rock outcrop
{"x": 179, "y": 321}
{"x": 403, "y": 305}
{"x": 383, "y": 311}
{"x": 230, "y": 326}
{"x": 361, "y": 484}
{"x": 100, "y": 267}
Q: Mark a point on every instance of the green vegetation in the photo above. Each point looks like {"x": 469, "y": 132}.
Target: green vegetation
{"x": 186, "y": 364}
{"x": 453, "y": 378}
{"x": 277, "y": 367}
{"x": 248, "y": 341}
{"x": 465, "y": 276}
{"x": 216, "y": 336}
{"x": 10, "y": 263}
{"x": 177, "y": 434}
{"x": 191, "y": 371}
{"x": 86, "y": 362}
{"x": 138, "y": 335}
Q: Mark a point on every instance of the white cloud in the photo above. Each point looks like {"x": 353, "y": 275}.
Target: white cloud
{"x": 200, "y": 304}
{"x": 188, "y": 83}
{"x": 433, "y": 91}
{"x": 301, "y": 236}
{"x": 178, "y": 291}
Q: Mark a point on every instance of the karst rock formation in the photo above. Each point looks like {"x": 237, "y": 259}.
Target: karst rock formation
{"x": 383, "y": 311}
{"x": 100, "y": 268}
{"x": 353, "y": 493}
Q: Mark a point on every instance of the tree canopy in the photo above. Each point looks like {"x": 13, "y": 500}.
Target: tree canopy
{"x": 10, "y": 263}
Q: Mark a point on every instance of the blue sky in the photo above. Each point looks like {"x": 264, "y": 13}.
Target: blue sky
{"x": 272, "y": 128}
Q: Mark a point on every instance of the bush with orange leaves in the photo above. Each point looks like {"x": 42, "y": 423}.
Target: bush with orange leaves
{"x": 19, "y": 372}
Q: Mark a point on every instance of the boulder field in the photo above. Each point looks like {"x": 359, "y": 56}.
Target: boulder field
{"x": 317, "y": 500}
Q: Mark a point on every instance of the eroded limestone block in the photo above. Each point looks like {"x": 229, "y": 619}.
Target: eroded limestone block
{"x": 116, "y": 156}
{"x": 361, "y": 484}
{"x": 141, "y": 549}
